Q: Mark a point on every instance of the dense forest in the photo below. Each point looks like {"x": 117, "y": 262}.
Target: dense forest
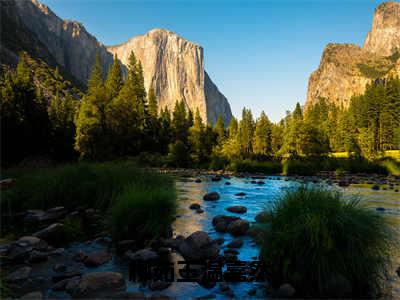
{"x": 43, "y": 115}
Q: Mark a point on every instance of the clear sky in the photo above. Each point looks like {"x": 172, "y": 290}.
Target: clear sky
{"x": 259, "y": 53}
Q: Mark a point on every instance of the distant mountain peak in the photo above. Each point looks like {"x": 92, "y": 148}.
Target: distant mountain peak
{"x": 174, "y": 67}
{"x": 346, "y": 69}
{"x": 384, "y": 36}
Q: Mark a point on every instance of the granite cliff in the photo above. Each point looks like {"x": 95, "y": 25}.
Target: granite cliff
{"x": 346, "y": 69}
{"x": 172, "y": 65}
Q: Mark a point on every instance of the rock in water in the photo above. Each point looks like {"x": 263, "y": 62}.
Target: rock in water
{"x": 99, "y": 284}
{"x": 19, "y": 275}
{"x": 237, "y": 209}
{"x": 238, "y": 227}
{"x": 213, "y": 196}
{"x": 53, "y": 234}
{"x": 97, "y": 258}
{"x": 199, "y": 246}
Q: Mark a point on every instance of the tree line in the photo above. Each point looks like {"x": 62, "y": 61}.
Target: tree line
{"x": 43, "y": 115}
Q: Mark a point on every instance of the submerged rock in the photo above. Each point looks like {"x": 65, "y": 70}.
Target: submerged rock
{"x": 236, "y": 243}
{"x": 262, "y": 217}
{"x": 19, "y": 275}
{"x": 286, "y": 290}
{"x": 194, "y": 206}
{"x": 216, "y": 178}
{"x": 240, "y": 194}
{"x": 32, "y": 296}
{"x": 221, "y": 222}
{"x": 99, "y": 284}
{"x": 237, "y": 209}
{"x": 97, "y": 258}
{"x": 375, "y": 187}
{"x": 142, "y": 256}
{"x": 213, "y": 196}
{"x": 238, "y": 227}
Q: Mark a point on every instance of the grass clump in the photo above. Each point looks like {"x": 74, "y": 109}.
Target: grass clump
{"x": 145, "y": 210}
{"x": 326, "y": 246}
{"x": 254, "y": 166}
{"x": 136, "y": 200}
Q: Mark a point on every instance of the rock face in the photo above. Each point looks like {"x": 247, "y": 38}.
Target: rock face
{"x": 171, "y": 64}
{"x": 346, "y": 69}
{"x": 174, "y": 67}
{"x": 384, "y": 37}
{"x": 69, "y": 43}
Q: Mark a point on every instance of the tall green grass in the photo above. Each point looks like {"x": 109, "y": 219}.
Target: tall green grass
{"x": 326, "y": 246}
{"x": 116, "y": 188}
{"x": 146, "y": 211}
{"x": 311, "y": 166}
{"x": 253, "y": 166}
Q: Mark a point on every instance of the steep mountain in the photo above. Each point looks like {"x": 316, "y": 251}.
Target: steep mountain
{"x": 346, "y": 69}
{"x": 174, "y": 67}
{"x": 72, "y": 47}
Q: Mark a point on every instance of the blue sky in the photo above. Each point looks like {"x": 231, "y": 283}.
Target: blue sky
{"x": 259, "y": 53}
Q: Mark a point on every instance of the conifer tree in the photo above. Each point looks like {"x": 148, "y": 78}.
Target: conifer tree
{"x": 220, "y": 130}
{"x": 152, "y": 104}
{"x": 93, "y": 135}
{"x": 114, "y": 79}
{"x": 196, "y": 139}
{"x": 262, "y": 136}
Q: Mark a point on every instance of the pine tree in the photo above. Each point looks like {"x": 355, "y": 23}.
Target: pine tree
{"x": 61, "y": 113}
{"x": 25, "y": 125}
{"x": 114, "y": 82}
{"x": 152, "y": 104}
{"x": 246, "y": 130}
{"x": 196, "y": 139}
{"x": 93, "y": 130}
{"x": 262, "y": 136}
{"x": 220, "y": 130}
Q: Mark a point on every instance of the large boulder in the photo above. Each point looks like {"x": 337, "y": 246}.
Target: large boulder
{"x": 21, "y": 249}
{"x": 212, "y": 196}
{"x": 199, "y": 247}
{"x": 142, "y": 256}
{"x": 262, "y": 217}
{"x": 221, "y": 222}
{"x": 238, "y": 227}
{"x": 19, "y": 275}
{"x": 53, "y": 234}
{"x": 99, "y": 284}
{"x": 98, "y": 258}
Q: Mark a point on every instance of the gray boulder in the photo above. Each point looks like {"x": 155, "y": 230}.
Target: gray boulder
{"x": 239, "y": 209}
{"x": 212, "y": 196}
{"x": 142, "y": 256}
{"x": 199, "y": 247}
{"x": 238, "y": 227}
{"x": 99, "y": 284}
{"x": 52, "y": 234}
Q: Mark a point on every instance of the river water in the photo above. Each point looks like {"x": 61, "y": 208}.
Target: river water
{"x": 257, "y": 198}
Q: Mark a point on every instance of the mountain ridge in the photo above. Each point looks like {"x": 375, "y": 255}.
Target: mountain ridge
{"x": 346, "y": 69}
{"x": 74, "y": 49}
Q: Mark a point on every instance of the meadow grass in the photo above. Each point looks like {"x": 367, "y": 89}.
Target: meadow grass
{"x": 327, "y": 246}
{"x": 311, "y": 166}
{"x": 146, "y": 210}
{"x": 254, "y": 166}
{"x": 109, "y": 187}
